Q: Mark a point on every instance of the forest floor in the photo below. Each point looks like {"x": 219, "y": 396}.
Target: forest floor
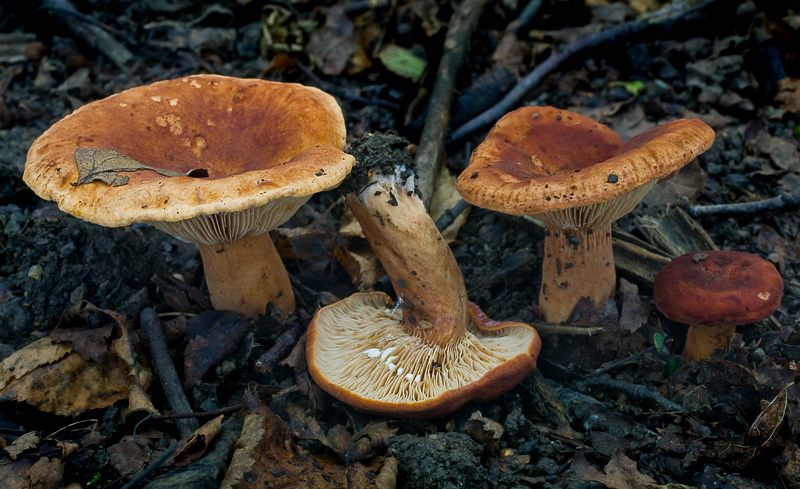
{"x": 617, "y": 408}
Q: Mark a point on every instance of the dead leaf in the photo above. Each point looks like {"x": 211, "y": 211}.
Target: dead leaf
{"x": 213, "y": 336}
{"x": 52, "y": 376}
{"x": 104, "y": 164}
{"x": 195, "y": 445}
{"x": 266, "y": 456}
{"x": 487, "y": 432}
{"x": 619, "y": 473}
{"x": 332, "y": 45}
{"x": 25, "y": 442}
{"x": 634, "y": 313}
{"x": 769, "y": 420}
{"x": 361, "y": 265}
{"x": 688, "y": 182}
{"x": 445, "y": 196}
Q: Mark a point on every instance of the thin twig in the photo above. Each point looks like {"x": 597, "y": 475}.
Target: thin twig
{"x": 166, "y": 371}
{"x": 90, "y": 31}
{"x": 451, "y": 214}
{"x": 634, "y": 391}
{"x": 213, "y": 412}
{"x": 525, "y": 17}
{"x": 787, "y": 201}
{"x": 430, "y": 153}
{"x": 279, "y": 350}
{"x": 165, "y": 455}
{"x": 666, "y": 15}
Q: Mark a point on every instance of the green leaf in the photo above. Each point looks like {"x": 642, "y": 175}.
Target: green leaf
{"x": 634, "y": 87}
{"x": 104, "y": 164}
{"x": 403, "y": 62}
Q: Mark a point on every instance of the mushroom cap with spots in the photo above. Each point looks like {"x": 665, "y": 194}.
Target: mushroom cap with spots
{"x": 261, "y": 143}
{"x": 712, "y": 288}
{"x": 542, "y": 159}
{"x": 359, "y": 351}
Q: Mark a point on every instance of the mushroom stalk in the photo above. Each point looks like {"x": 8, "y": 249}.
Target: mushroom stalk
{"x": 424, "y": 274}
{"x": 702, "y": 341}
{"x": 245, "y": 274}
{"x": 577, "y": 263}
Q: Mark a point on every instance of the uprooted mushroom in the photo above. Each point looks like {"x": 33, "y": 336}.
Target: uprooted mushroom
{"x": 432, "y": 350}
{"x": 578, "y": 177}
{"x": 263, "y": 147}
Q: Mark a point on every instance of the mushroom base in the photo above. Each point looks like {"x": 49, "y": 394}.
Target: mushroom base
{"x": 576, "y": 264}
{"x": 246, "y": 274}
{"x": 703, "y": 341}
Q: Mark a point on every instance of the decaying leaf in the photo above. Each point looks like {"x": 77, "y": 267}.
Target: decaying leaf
{"x": 213, "y": 336}
{"x": 195, "y": 445}
{"x": 332, "y": 45}
{"x": 487, "y": 432}
{"x": 266, "y": 456}
{"x": 104, "y": 164}
{"x": 444, "y": 198}
{"x": 770, "y": 419}
{"x": 619, "y": 473}
{"x": 73, "y": 371}
{"x": 25, "y": 442}
{"x": 634, "y": 313}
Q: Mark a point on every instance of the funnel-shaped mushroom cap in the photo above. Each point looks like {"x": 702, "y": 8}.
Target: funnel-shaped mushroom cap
{"x": 542, "y": 159}
{"x": 259, "y": 141}
{"x": 360, "y": 352}
{"x": 718, "y": 287}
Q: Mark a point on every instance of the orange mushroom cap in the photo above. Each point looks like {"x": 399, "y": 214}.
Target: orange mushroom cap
{"x": 260, "y": 141}
{"x": 718, "y": 287}
{"x": 543, "y": 159}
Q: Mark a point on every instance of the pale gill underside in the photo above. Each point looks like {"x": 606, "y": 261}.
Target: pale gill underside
{"x": 229, "y": 226}
{"x": 387, "y": 364}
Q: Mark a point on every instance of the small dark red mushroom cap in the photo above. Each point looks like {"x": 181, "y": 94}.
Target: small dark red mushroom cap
{"x": 718, "y": 287}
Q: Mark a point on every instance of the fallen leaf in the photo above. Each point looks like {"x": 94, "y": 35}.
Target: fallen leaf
{"x": 634, "y": 313}
{"x": 445, "y": 196}
{"x": 487, "y": 432}
{"x": 402, "y": 62}
{"x": 332, "y": 45}
{"x": 104, "y": 164}
{"x": 266, "y": 456}
{"x": 619, "y": 473}
{"x": 213, "y": 336}
{"x": 195, "y": 445}
{"x": 25, "y": 442}
{"x": 52, "y": 376}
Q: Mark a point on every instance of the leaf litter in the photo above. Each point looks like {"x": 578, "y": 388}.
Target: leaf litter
{"x": 741, "y": 410}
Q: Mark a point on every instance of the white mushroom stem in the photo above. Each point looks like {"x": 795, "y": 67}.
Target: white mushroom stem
{"x": 418, "y": 261}
{"x": 577, "y": 263}
{"x": 702, "y": 341}
{"x": 245, "y": 274}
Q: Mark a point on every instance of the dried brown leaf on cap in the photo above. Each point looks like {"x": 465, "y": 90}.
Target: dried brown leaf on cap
{"x": 104, "y": 165}
{"x": 267, "y": 147}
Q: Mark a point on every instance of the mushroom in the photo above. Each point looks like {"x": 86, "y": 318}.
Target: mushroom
{"x": 266, "y": 148}
{"x": 713, "y": 292}
{"x": 433, "y": 350}
{"x": 578, "y": 177}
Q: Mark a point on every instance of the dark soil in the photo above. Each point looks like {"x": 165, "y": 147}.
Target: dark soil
{"x": 615, "y": 409}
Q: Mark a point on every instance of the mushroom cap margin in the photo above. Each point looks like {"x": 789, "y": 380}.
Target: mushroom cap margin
{"x": 246, "y": 132}
{"x": 587, "y": 161}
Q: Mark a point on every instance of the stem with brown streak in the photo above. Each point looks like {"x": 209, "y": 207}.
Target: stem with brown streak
{"x": 577, "y": 263}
